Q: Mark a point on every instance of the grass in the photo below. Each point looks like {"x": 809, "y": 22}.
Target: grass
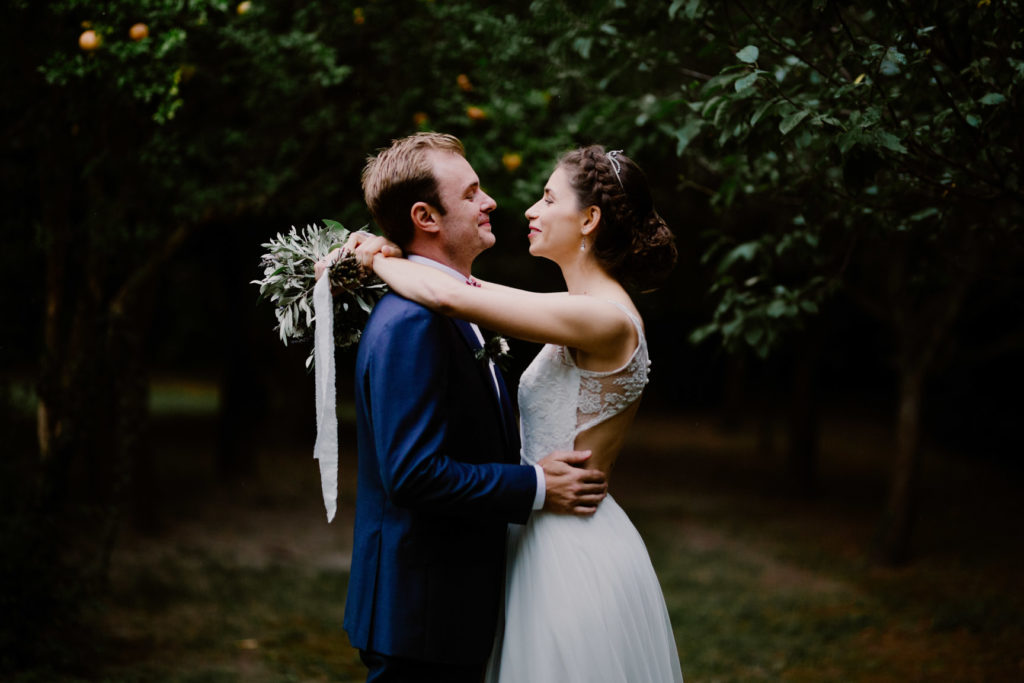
{"x": 248, "y": 583}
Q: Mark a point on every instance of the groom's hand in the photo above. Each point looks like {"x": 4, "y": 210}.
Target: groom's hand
{"x": 570, "y": 489}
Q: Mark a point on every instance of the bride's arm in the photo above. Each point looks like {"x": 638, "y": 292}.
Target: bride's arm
{"x": 580, "y": 322}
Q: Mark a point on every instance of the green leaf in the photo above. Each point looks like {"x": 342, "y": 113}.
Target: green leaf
{"x": 748, "y": 54}
{"x": 743, "y": 252}
{"x": 692, "y": 6}
{"x": 890, "y": 141}
{"x": 745, "y": 82}
{"x": 761, "y": 111}
{"x": 702, "y": 333}
{"x": 992, "y": 98}
{"x": 777, "y": 308}
{"x": 583, "y": 45}
{"x": 925, "y": 213}
{"x": 686, "y": 134}
{"x": 792, "y": 121}
{"x": 972, "y": 120}
{"x": 710, "y": 104}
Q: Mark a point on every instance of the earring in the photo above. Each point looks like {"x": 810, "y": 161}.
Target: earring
{"x": 583, "y": 243}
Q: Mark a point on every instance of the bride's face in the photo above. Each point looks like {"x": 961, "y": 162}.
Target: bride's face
{"x": 556, "y": 220}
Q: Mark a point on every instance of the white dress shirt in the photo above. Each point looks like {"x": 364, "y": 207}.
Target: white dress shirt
{"x": 538, "y": 498}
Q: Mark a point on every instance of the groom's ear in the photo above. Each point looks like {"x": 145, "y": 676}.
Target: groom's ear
{"x": 425, "y": 217}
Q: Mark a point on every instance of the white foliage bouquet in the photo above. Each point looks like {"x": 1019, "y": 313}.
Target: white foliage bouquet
{"x": 289, "y": 278}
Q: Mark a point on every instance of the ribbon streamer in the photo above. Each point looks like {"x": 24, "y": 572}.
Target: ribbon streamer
{"x": 326, "y": 447}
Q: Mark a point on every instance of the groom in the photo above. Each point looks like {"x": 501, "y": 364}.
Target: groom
{"x": 439, "y": 478}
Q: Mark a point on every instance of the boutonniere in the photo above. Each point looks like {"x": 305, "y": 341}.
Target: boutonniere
{"x": 495, "y": 349}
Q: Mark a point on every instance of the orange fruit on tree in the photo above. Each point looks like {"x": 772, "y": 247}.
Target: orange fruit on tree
{"x": 464, "y": 82}
{"x": 89, "y": 40}
{"x": 512, "y": 161}
{"x": 358, "y": 16}
{"x": 243, "y": 7}
{"x": 138, "y": 31}
{"x": 420, "y": 117}
{"x": 476, "y": 113}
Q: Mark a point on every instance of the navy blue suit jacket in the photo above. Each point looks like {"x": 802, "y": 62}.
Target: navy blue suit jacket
{"x": 438, "y": 482}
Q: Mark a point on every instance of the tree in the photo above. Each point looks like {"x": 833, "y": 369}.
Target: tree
{"x": 129, "y": 143}
{"x": 884, "y": 140}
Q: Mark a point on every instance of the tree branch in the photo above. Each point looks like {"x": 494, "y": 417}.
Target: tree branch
{"x": 767, "y": 33}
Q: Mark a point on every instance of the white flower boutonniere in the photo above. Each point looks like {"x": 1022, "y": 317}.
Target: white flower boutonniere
{"x": 495, "y": 349}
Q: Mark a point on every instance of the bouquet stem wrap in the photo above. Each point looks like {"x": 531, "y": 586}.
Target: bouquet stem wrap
{"x": 326, "y": 447}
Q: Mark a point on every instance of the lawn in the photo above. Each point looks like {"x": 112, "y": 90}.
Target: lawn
{"x": 248, "y": 583}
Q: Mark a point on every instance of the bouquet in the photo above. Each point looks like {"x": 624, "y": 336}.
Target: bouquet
{"x": 289, "y": 278}
{"x": 339, "y": 309}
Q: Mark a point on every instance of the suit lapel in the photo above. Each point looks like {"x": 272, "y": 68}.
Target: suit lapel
{"x": 500, "y": 399}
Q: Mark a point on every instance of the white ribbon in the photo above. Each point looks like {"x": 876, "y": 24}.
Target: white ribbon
{"x": 326, "y": 448}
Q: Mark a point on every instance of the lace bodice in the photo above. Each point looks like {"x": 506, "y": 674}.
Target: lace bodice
{"x": 558, "y": 400}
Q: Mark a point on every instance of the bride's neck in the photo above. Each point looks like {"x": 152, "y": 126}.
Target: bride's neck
{"x": 584, "y": 276}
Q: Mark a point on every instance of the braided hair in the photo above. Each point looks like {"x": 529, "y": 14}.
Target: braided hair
{"x": 633, "y": 244}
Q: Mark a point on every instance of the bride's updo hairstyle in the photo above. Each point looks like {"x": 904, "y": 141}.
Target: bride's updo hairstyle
{"x": 632, "y": 243}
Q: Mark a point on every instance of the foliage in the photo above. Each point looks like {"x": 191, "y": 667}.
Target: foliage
{"x": 288, "y": 281}
{"x": 884, "y": 135}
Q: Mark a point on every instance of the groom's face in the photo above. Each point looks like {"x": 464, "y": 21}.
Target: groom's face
{"x": 466, "y": 224}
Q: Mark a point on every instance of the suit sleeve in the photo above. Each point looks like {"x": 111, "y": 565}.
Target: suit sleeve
{"x": 408, "y": 375}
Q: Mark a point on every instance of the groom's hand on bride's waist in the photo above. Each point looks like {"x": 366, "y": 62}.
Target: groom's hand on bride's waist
{"x": 570, "y": 488}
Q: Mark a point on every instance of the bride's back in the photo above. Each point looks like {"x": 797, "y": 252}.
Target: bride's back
{"x": 566, "y": 406}
{"x": 605, "y": 439}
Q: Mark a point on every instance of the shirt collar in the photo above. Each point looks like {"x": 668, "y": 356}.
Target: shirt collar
{"x": 416, "y": 258}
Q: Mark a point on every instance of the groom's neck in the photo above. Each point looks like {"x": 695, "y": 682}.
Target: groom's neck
{"x": 435, "y": 254}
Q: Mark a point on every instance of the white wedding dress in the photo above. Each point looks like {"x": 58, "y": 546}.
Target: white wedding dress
{"x": 582, "y": 601}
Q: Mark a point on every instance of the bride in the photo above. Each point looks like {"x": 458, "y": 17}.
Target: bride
{"x": 582, "y": 601}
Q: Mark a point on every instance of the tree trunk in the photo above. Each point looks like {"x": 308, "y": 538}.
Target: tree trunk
{"x": 893, "y": 539}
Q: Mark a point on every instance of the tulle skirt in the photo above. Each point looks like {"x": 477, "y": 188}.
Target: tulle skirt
{"x": 583, "y": 604}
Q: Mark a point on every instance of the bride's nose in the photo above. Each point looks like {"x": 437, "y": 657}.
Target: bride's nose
{"x": 531, "y": 213}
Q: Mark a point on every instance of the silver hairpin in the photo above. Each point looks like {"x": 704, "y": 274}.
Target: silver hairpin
{"x": 616, "y": 165}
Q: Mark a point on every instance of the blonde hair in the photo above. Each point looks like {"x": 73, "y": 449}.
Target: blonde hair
{"x": 401, "y": 175}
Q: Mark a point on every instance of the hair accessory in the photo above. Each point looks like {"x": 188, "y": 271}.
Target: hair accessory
{"x": 616, "y": 164}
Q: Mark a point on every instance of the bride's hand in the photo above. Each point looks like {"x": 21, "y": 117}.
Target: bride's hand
{"x": 321, "y": 266}
{"x": 365, "y": 246}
